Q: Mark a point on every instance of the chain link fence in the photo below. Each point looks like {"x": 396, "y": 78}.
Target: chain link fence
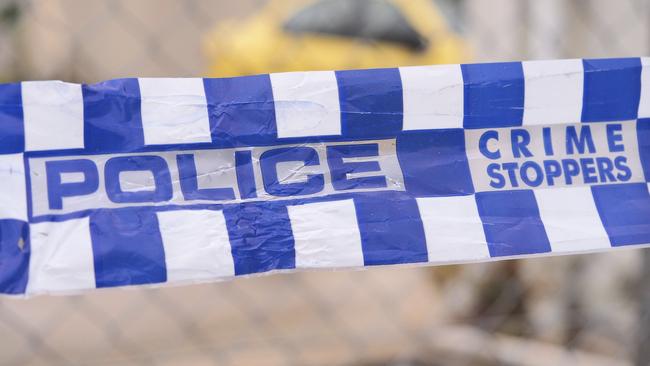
{"x": 582, "y": 310}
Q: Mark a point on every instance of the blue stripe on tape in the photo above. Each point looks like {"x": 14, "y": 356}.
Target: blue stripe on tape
{"x": 511, "y": 222}
{"x": 127, "y": 247}
{"x": 371, "y": 102}
{"x": 112, "y": 119}
{"x": 434, "y": 163}
{"x": 260, "y": 236}
{"x": 14, "y": 261}
{"x": 494, "y": 94}
{"x": 391, "y": 228}
{"x": 241, "y": 111}
{"x": 612, "y": 88}
{"x": 12, "y": 131}
{"x": 625, "y": 212}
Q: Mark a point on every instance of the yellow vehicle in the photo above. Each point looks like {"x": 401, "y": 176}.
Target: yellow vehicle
{"x": 294, "y": 35}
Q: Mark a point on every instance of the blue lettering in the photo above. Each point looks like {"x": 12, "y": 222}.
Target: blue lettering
{"x": 56, "y": 189}
{"x": 588, "y": 170}
{"x": 309, "y": 157}
{"x": 511, "y": 167}
{"x": 548, "y": 141}
{"x": 552, "y": 169}
{"x": 340, "y": 169}
{"x": 614, "y": 137}
{"x": 190, "y": 185}
{"x": 620, "y": 162}
{"x": 605, "y": 168}
{"x": 573, "y": 141}
{"x": 483, "y": 142}
{"x": 497, "y": 181}
{"x": 162, "y": 190}
{"x": 520, "y": 139}
{"x": 525, "y": 177}
{"x": 571, "y": 169}
{"x": 245, "y": 174}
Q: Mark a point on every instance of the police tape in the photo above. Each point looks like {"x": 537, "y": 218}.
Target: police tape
{"x": 150, "y": 181}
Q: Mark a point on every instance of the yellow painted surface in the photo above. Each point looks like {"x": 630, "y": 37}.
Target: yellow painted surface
{"x": 260, "y": 45}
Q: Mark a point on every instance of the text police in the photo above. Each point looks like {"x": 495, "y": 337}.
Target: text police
{"x": 212, "y": 176}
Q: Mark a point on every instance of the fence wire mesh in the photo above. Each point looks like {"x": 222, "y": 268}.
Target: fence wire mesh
{"x": 583, "y": 310}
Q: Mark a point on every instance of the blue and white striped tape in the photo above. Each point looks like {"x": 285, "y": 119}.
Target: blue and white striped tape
{"x": 146, "y": 181}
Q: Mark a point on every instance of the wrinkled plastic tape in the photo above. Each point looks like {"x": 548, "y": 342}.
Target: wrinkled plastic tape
{"x": 150, "y": 181}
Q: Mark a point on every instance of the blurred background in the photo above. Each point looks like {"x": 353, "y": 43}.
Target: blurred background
{"x": 581, "y": 310}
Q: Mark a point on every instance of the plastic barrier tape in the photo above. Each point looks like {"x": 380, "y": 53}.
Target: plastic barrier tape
{"x": 148, "y": 181}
